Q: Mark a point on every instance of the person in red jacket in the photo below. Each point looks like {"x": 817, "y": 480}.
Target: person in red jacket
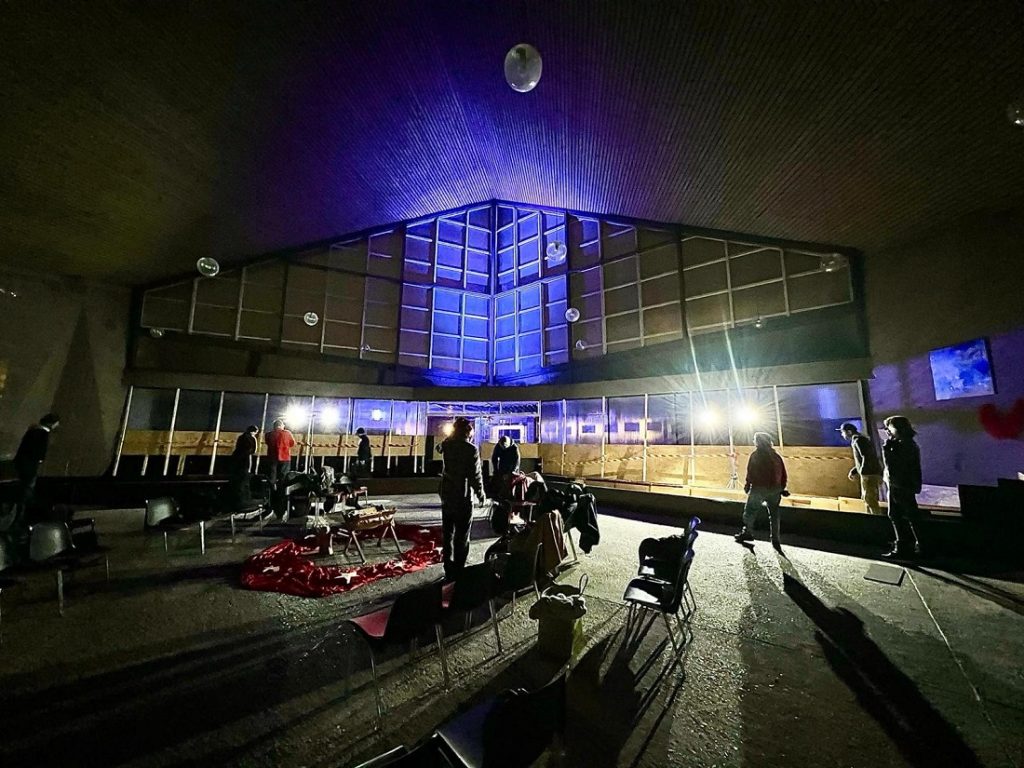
{"x": 279, "y": 451}
{"x": 765, "y": 487}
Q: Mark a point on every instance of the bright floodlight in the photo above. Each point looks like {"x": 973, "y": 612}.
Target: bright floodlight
{"x": 377, "y": 414}
{"x": 746, "y": 415}
{"x": 296, "y": 416}
{"x": 709, "y": 418}
{"x": 447, "y": 429}
{"x": 330, "y": 417}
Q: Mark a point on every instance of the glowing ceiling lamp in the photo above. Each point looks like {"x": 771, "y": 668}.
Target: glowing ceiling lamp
{"x": 311, "y": 319}
{"x": 572, "y": 314}
{"x": 377, "y": 414}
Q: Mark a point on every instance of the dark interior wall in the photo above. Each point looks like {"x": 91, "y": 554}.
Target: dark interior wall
{"x": 953, "y": 285}
{"x": 62, "y": 347}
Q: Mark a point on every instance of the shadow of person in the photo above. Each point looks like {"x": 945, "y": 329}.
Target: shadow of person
{"x": 603, "y": 703}
{"x": 885, "y": 692}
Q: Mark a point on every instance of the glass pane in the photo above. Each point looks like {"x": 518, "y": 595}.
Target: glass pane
{"x": 552, "y": 426}
{"x": 151, "y": 409}
{"x": 584, "y": 422}
{"x": 668, "y": 419}
{"x": 332, "y": 415}
{"x": 372, "y": 415}
{"x": 240, "y": 410}
{"x": 409, "y": 419}
{"x": 811, "y": 414}
{"x": 625, "y": 420}
{"x": 197, "y": 411}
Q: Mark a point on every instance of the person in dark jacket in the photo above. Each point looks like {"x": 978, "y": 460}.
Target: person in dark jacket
{"x": 903, "y": 478}
{"x": 504, "y": 462}
{"x": 461, "y": 481}
{"x": 866, "y": 466}
{"x": 765, "y": 486}
{"x": 363, "y": 465}
{"x": 241, "y": 467}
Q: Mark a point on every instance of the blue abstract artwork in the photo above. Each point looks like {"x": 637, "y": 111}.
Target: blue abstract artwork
{"x": 962, "y": 370}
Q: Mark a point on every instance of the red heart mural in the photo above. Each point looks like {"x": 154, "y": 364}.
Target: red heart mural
{"x": 1000, "y": 425}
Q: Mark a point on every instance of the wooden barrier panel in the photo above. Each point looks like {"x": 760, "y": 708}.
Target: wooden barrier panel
{"x": 624, "y": 462}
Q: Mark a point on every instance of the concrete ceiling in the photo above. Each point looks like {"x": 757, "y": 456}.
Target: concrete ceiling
{"x": 136, "y": 137}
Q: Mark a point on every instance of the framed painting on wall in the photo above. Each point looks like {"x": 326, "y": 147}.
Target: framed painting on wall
{"x": 962, "y": 370}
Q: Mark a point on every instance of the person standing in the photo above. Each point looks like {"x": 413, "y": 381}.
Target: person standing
{"x": 241, "y": 466}
{"x": 364, "y": 455}
{"x": 765, "y": 486}
{"x": 903, "y": 477}
{"x": 279, "y": 451}
{"x": 866, "y": 466}
{"x": 504, "y": 463}
{"x": 461, "y": 481}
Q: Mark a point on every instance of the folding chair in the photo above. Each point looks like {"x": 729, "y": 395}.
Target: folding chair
{"x": 512, "y": 730}
{"x": 401, "y": 622}
{"x": 665, "y": 597}
{"x": 475, "y": 586}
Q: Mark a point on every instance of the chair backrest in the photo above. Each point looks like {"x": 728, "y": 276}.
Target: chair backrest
{"x": 49, "y": 540}
{"x": 520, "y": 570}
{"x": 521, "y": 725}
{"x": 474, "y": 586}
{"x": 681, "y": 579}
{"x": 663, "y": 555}
{"x": 6, "y": 554}
{"x": 158, "y": 510}
{"x": 413, "y": 612}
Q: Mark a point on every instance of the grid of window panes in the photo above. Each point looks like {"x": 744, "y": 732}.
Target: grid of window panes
{"x": 731, "y": 283}
{"x": 625, "y": 284}
{"x": 808, "y": 415}
{"x": 522, "y": 238}
{"x": 375, "y": 297}
{"x": 530, "y": 328}
{"x": 453, "y": 251}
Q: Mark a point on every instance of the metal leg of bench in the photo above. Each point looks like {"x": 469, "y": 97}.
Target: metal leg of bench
{"x": 394, "y": 535}
{"x": 359, "y": 549}
{"x": 165, "y": 541}
{"x": 106, "y": 565}
{"x": 232, "y": 529}
{"x": 202, "y": 536}
{"x": 60, "y": 591}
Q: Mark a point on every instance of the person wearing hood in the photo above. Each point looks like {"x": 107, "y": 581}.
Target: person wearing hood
{"x": 765, "y": 486}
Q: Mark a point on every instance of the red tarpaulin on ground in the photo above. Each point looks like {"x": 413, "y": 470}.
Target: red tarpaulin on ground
{"x": 286, "y": 566}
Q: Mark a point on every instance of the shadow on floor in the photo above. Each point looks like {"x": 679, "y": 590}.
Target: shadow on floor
{"x": 921, "y": 734}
